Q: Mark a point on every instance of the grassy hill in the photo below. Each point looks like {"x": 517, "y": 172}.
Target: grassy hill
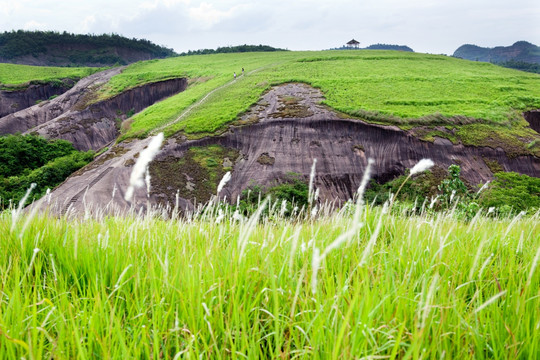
{"x": 469, "y": 102}
{"x": 475, "y": 102}
{"x": 50, "y": 48}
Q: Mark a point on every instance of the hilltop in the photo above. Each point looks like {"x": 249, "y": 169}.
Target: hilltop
{"x": 48, "y": 48}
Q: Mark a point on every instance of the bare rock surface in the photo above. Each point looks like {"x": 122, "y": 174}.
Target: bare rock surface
{"x": 15, "y": 100}
{"x": 88, "y": 127}
{"x": 533, "y": 118}
{"x": 33, "y": 116}
{"x": 283, "y": 133}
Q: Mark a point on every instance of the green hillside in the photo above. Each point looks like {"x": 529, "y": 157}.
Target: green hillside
{"x": 16, "y": 76}
{"x": 472, "y": 100}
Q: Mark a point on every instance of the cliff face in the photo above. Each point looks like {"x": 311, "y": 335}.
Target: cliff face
{"x": 87, "y": 127}
{"x": 533, "y": 118}
{"x": 33, "y": 116}
{"x": 284, "y": 133}
{"x": 16, "y": 100}
{"x": 99, "y": 124}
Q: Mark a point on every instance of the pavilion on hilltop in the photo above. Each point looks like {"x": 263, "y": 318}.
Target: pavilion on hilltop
{"x": 353, "y": 44}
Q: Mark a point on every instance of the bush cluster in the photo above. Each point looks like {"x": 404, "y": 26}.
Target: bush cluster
{"x": 292, "y": 189}
{"x": 508, "y": 194}
{"x": 232, "y": 49}
{"x": 27, "y": 159}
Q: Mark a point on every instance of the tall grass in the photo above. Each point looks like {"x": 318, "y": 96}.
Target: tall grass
{"x": 211, "y": 286}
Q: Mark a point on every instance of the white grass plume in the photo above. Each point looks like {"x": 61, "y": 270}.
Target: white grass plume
{"x": 372, "y": 241}
{"x": 16, "y": 213}
{"x": 311, "y": 179}
{"x": 421, "y": 166}
{"x": 146, "y": 156}
{"x": 224, "y": 181}
{"x": 147, "y": 179}
{"x": 362, "y": 189}
{"x": 483, "y": 187}
{"x": 490, "y": 301}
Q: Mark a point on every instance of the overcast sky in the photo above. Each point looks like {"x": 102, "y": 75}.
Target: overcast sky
{"x": 429, "y": 26}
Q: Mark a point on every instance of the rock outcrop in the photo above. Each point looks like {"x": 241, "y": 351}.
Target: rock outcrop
{"x": 533, "y": 118}
{"x": 283, "y": 133}
{"x": 15, "y": 100}
{"x": 88, "y": 127}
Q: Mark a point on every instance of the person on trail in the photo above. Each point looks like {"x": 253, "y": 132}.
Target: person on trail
{"x": 235, "y": 75}
{"x": 242, "y": 71}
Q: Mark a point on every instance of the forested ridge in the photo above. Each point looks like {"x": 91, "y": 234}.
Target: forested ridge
{"x": 55, "y": 48}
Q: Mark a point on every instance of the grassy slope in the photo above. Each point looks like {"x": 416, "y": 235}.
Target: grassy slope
{"x": 431, "y": 287}
{"x": 11, "y": 74}
{"x": 397, "y": 86}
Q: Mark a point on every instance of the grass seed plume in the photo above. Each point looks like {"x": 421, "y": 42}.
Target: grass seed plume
{"x": 146, "y": 156}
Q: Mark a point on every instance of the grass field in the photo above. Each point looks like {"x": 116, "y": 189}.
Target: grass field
{"x": 370, "y": 285}
{"x": 11, "y": 74}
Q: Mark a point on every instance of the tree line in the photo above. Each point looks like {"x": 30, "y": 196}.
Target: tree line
{"x": 19, "y": 43}
{"x": 233, "y": 49}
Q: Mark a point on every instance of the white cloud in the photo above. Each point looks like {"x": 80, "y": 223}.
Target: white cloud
{"x": 425, "y": 25}
{"x": 206, "y": 15}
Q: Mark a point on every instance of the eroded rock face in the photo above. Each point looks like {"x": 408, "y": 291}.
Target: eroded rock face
{"x": 98, "y": 125}
{"x": 16, "y": 100}
{"x": 533, "y": 118}
{"x": 33, "y": 116}
{"x": 270, "y": 144}
{"x": 88, "y": 127}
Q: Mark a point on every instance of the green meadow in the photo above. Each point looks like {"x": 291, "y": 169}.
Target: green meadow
{"x": 364, "y": 284}
{"x": 16, "y": 76}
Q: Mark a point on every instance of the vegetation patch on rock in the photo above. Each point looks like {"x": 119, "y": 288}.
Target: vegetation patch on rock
{"x": 195, "y": 176}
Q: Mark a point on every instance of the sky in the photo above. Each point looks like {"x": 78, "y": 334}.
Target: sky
{"x": 428, "y": 26}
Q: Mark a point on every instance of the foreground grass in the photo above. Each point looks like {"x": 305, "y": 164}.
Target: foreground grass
{"x": 398, "y": 287}
{"x": 11, "y": 74}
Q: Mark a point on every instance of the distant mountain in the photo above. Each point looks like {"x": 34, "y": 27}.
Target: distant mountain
{"x": 48, "y": 48}
{"x": 521, "y": 52}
